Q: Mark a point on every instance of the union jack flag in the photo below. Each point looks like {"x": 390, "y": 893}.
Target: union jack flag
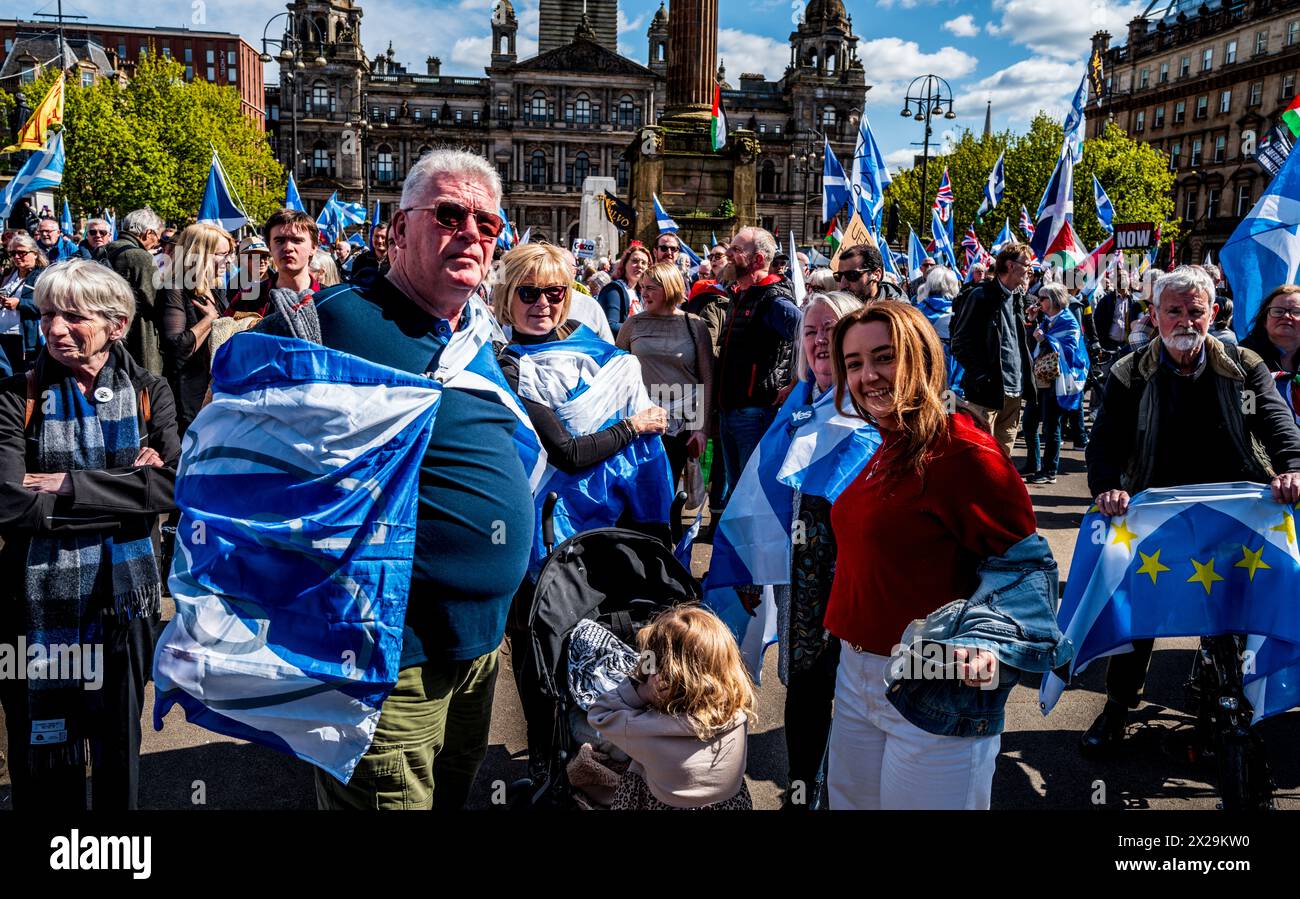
{"x": 943, "y": 199}
{"x": 975, "y": 251}
{"x": 1025, "y": 224}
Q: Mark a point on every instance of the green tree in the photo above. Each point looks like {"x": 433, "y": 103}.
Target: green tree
{"x": 149, "y": 143}
{"x": 1136, "y": 177}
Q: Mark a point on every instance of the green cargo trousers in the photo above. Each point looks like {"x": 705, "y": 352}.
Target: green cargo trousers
{"x": 433, "y": 730}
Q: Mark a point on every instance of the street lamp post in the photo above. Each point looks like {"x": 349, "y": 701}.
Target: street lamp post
{"x": 364, "y": 126}
{"x": 806, "y": 158}
{"x": 291, "y": 61}
{"x": 928, "y": 93}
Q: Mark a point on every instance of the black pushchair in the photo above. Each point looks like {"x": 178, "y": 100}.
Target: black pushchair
{"x": 618, "y": 577}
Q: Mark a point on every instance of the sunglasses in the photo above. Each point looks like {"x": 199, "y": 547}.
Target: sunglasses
{"x": 530, "y": 294}
{"x": 853, "y": 275}
{"x": 453, "y": 217}
{"x": 98, "y": 233}
{"x": 665, "y": 248}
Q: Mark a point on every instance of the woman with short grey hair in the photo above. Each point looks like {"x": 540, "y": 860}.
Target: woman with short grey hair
{"x": 88, "y": 453}
{"x": 19, "y": 339}
{"x": 934, "y": 298}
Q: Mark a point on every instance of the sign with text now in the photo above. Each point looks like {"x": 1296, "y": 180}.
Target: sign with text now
{"x": 1135, "y": 236}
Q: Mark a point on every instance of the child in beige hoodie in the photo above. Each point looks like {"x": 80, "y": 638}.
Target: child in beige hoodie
{"x": 683, "y": 717}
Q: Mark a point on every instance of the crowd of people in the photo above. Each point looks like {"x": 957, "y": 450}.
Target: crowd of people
{"x": 110, "y": 345}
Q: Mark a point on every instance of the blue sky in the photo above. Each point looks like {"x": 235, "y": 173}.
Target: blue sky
{"x": 1022, "y": 54}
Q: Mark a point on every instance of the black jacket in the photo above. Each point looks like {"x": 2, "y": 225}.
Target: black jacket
{"x": 1103, "y": 316}
{"x": 128, "y": 257}
{"x": 1258, "y": 341}
{"x": 127, "y": 501}
{"x": 977, "y": 344}
{"x": 754, "y": 358}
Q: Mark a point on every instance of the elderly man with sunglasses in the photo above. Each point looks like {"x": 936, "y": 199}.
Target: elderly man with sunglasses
{"x": 861, "y": 272}
{"x": 475, "y": 515}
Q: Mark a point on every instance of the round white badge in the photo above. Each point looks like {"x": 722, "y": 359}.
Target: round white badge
{"x": 103, "y": 394}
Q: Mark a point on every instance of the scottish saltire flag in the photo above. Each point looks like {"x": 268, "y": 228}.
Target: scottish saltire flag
{"x": 1026, "y": 226}
{"x": 1005, "y": 236}
{"x": 43, "y": 169}
{"x": 292, "y": 199}
{"x": 810, "y": 448}
{"x": 888, "y": 259}
{"x": 591, "y": 384}
{"x": 1064, "y": 333}
{"x": 1206, "y": 559}
{"x": 1105, "y": 211}
{"x": 943, "y": 203}
{"x": 695, "y": 258}
{"x": 870, "y": 173}
{"x": 506, "y": 239}
{"x": 915, "y": 253}
{"x": 1056, "y": 209}
{"x": 994, "y": 189}
{"x": 1074, "y": 124}
{"x": 357, "y": 241}
{"x": 836, "y": 192}
{"x": 217, "y": 207}
{"x": 351, "y": 213}
{"x": 796, "y": 273}
{"x": 330, "y": 220}
{"x": 298, "y": 488}
{"x": 1264, "y": 250}
{"x": 663, "y": 220}
{"x": 943, "y": 247}
{"x": 65, "y": 222}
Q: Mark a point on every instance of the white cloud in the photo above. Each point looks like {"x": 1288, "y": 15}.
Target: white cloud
{"x": 1020, "y": 90}
{"x": 906, "y": 4}
{"x": 892, "y": 63}
{"x": 962, "y": 26}
{"x": 741, "y": 52}
{"x": 625, "y": 26}
{"x": 901, "y": 159}
{"x": 1051, "y": 28}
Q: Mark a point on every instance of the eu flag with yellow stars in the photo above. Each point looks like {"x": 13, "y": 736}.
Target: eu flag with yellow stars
{"x": 1199, "y": 560}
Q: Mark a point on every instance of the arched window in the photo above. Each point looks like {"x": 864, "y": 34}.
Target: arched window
{"x": 505, "y": 44}
{"x": 767, "y": 177}
{"x": 582, "y": 110}
{"x": 537, "y": 107}
{"x": 828, "y": 118}
{"x": 581, "y": 169}
{"x": 320, "y": 97}
{"x": 537, "y": 171}
{"x": 830, "y": 61}
{"x": 385, "y": 167}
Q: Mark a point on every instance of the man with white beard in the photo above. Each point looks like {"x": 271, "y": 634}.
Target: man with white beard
{"x": 1187, "y": 409}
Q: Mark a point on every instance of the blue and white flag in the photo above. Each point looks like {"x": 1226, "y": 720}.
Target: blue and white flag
{"x": 836, "y": 192}
{"x": 887, "y": 258}
{"x": 1075, "y": 124}
{"x": 1105, "y": 211}
{"x": 663, "y": 220}
{"x": 65, "y": 223}
{"x": 993, "y": 190}
{"x": 1264, "y": 250}
{"x": 870, "y": 173}
{"x": 915, "y": 254}
{"x": 694, "y": 258}
{"x": 351, "y": 213}
{"x": 811, "y": 448}
{"x": 590, "y": 385}
{"x": 298, "y": 490}
{"x": 217, "y": 207}
{"x": 1064, "y": 334}
{"x": 292, "y": 199}
{"x": 942, "y": 241}
{"x": 1056, "y": 207}
{"x": 43, "y": 169}
{"x": 527, "y": 236}
{"x": 1005, "y": 236}
{"x": 506, "y": 239}
{"x": 330, "y": 222}
{"x": 714, "y": 235}
{"x": 1206, "y": 559}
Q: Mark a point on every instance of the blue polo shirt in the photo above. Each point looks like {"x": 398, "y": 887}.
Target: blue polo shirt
{"x": 475, "y": 520}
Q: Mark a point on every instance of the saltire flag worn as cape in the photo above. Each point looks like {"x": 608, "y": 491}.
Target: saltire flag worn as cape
{"x": 1065, "y": 335}
{"x": 591, "y": 384}
{"x": 1264, "y": 250}
{"x": 718, "y": 122}
{"x": 298, "y": 487}
{"x": 810, "y": 448}
{"x": 1206, "y": 559}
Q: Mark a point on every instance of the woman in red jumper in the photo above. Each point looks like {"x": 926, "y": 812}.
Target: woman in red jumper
{"x": 937, "y": 499}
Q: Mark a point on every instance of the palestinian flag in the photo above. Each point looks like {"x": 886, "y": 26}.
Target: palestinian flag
{"x": 834, "y": 236}
{"x": 1065, "y": 252}
{"x": 718, "y": 125}
{"x": 1292, "y": 116}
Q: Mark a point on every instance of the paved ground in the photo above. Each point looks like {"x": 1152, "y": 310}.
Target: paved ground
{"x": 1039, "y": 766}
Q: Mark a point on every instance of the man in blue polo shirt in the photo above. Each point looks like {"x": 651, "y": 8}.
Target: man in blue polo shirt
{"x": 475, "y": 519}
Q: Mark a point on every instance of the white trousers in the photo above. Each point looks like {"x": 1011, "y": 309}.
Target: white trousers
{"x": 879, "y": 760}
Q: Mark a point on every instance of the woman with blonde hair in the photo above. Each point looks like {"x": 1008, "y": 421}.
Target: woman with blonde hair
{"x": 683, "y": 717}
{"x": 194, "y": 285}
{"x": 620, "y": 297}
{"x": 324, "y": 269}
{"x": 937, "y": 499}
{"x": 676, "y": 356}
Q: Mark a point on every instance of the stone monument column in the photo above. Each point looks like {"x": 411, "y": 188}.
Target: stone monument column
{"x": 693, "y": 49}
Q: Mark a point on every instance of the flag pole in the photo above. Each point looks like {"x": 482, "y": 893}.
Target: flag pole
{"x": 230, "y": 184}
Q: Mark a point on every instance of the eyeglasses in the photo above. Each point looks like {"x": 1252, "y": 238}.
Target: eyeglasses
{"x": 530, "y": 294}
{"x": 666, "y": 248}
{"x": 98, "y": 233}
{"x": 22, "y": 252}
{"x": 1284, "y": 311}
{"x": 721, "y": 255}
{"x": 853, "y": 275}
{"x": 453, "y": 217}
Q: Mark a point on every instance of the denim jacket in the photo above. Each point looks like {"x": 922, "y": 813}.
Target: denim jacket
{"x": 1011, "y": 614}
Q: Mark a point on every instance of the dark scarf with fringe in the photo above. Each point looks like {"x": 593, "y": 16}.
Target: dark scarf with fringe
{"x": 73, "y": 581}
